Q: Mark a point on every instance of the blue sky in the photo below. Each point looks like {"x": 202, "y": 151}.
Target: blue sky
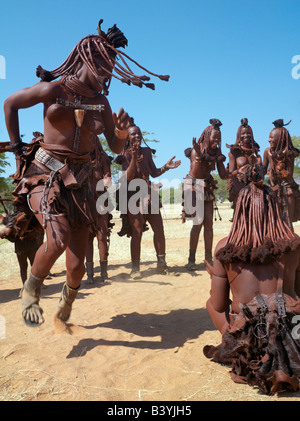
{"x": 227, "y": 59}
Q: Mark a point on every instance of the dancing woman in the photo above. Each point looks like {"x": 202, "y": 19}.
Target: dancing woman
{"x": 54, "y": 176}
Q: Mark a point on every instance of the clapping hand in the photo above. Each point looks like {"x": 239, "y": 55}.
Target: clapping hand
{"x": 135, "y": 148}
{"x": 196, "y": 146}
{"x": 121, "y": 119}
{"x": 171, "y": 165}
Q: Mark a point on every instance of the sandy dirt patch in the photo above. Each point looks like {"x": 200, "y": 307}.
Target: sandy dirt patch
{"x": 138, "y": 340}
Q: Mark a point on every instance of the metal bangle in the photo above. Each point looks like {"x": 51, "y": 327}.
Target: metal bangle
{"x": 15, "y": 147}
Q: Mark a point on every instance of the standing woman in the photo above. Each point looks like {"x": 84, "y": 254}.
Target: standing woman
{"x": 278, "y": 162}
{"x": 205, "y": 156}
{"x": 101, "y": 171}
{"x": 243, "y": 152}
{"x": 137, "y": 163}
{"x": 54, "y": 177}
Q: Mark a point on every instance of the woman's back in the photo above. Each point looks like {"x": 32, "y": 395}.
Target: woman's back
{"x": 248, "y": 280}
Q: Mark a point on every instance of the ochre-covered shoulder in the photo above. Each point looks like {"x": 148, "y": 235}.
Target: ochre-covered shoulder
{"x": 221, "y": 243}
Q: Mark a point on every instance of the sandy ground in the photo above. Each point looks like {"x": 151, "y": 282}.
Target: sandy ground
{"x": 131, "y": 340}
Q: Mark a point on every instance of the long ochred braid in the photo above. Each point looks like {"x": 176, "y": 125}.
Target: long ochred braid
{"x": 107, "y": 45}
{"x": 259, "y": 233}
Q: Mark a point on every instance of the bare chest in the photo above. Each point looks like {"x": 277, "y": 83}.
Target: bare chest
{"x": 65, "y": 118}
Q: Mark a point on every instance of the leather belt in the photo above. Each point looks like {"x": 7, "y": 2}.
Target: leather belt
{"x": 49, "y": 161}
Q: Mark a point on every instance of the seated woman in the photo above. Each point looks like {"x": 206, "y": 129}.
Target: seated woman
{"x": 259, "y": 265}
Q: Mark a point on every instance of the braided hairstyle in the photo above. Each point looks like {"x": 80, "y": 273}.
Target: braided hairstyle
{"x": 107, "y": 45}
{"x": 204, "y": 141}
{"x": 259, "y": 232}
{"x": 285, "y": 146}
{"x": 244, "y": 124}
{"x": 127, "y": 144}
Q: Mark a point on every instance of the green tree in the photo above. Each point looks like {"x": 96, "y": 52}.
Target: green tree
{"x": 3, "y": 162}
{"x": 221, "y": 193}
{"x": 114, "y": 167}
{"x": 296, "y": 143}
{"x": 174, "y": 197}
{"x": 6, "y": 185}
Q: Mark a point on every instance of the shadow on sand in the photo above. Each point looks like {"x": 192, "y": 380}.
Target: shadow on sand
{"x": 174, "y": 329}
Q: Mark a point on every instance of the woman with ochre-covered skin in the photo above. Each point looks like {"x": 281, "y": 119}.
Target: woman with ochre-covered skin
{"x": 278, "y": 163}
{"x": 137, "y": 163}
{"x": 54, "y": 175}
